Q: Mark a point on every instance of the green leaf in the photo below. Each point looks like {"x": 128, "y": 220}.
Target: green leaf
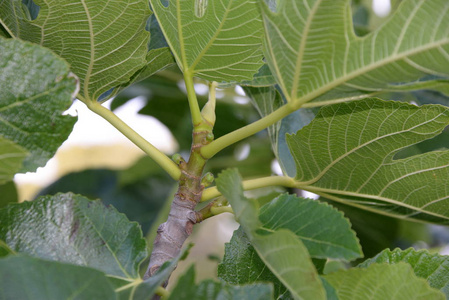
{"x": 23, "y": 277}
{"x": 381, "y": 281}
{"x": 8, "y": 193}
{"x": 283, "y": 253}
{"x": 323, "y": 229}
{"x": 432, "y": 267}
{"x": 186, "y": 289}
{"x": 375, "y": 231}
{"x": 347, "y": 154}
{"x": 242, "y": 265}
{"x": 311, "y": 47}
{"x": 11, "y": 158}
{"x": 35, "y": 89}
{"x": 104, "y": 42}
{"x": 70, "y": 228}
{"x": 217, "y": 41}
{"x": 156, "y": 60}
{"x": 5, "y": 250}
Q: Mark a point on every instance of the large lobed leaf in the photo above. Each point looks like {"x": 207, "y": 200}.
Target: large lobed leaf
{"x": 381, "y": 281}
{"x": 283, "y": 253}
{"x": 71, "y": 228}
{"x": 214, "y": 40}
{"x": 432, "y": 267}
{"x": 35, "y": 88}
{"x": 104, "y": 42}
{"x": 347, "y": 154}
{"x": 311, "y": 48}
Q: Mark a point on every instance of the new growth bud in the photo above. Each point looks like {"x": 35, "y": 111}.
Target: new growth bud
{"x": 208, "y": 111}
{"x": 207, "y": 179}
{"x": 177, "y": 158}
{"x": 210, "y": 137}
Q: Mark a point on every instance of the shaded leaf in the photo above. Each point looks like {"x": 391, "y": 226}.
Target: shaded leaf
{"x": 323, "y": 229}
{"x": 432, "y": 267}
{"x": 375, "y": 231}
{"x": 44, "y": 280}
{"x": 214, "y": 40}
{"x": 242, "y": 265}
{"x": 281, "y": 251}
{"x": 267, "y": 100}
{"x": 156, "y": 60}
{"x": 11, "y": 158}
{"x": 35, "y": 89}
{"x": 381, "y": 281}
{"x": 104, "y": 42}
{"x": 311, "y": 47}
{"x": 186, "y": 289}
{"x": 5, "y": 250}
{"x": 8, "y": 193}
{"x": 70, "y": 228}
{"x": 351, "y": 158}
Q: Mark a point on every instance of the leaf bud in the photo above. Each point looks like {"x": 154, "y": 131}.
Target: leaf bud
{"x": 207, "y": 179}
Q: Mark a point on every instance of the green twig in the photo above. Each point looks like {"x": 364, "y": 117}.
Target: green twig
{"x": 219, "y": 144}
{"x": 252, "y": 184}
{"x": 160, "y": 158}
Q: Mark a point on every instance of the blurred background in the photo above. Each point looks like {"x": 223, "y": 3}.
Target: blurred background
{"x": 98, "y": 162}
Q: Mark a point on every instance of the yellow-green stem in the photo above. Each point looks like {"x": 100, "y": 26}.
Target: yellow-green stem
{"x": 252, "y": 184}
{"x": 219, "y": 144}
{"x": 163, "y": 160}
{"x": 193, "y": 102}
{"x": 162, "y": 292}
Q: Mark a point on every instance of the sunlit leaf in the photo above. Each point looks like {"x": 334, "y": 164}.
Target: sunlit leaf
{"x": 311, "y": 47}
{"x": 214, "y": 40}
{"x": 347, "y": 154}
{"x": 104, "y": 42}
{"x": 35, "y": 88}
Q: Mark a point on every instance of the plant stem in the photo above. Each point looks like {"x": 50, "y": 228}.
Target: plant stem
{"x": 162, "y": 292}
{"x": 252, "y": 184}
{"x": 193, "y": 102}
{"x": 219, "y": 144}
{"x": 160, "y": 158}
{"x": 221, "y": 209}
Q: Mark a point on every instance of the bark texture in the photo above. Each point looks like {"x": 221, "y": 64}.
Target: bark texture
{"x": 172, "y": 234}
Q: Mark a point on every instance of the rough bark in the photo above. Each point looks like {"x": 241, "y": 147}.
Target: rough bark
{"x": 172, "y": 234}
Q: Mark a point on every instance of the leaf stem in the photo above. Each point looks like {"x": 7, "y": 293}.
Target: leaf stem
{"x": 252, "y": 184}
{"x": 160, "y": 158}
{"x": 191, "y": 96}
{"x": 162, "y": 292}
{"x": 219, "y": 144}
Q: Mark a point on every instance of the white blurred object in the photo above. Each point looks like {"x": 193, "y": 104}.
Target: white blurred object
{"x": 92, "y": 130}
{"x": 382, "y": 8}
